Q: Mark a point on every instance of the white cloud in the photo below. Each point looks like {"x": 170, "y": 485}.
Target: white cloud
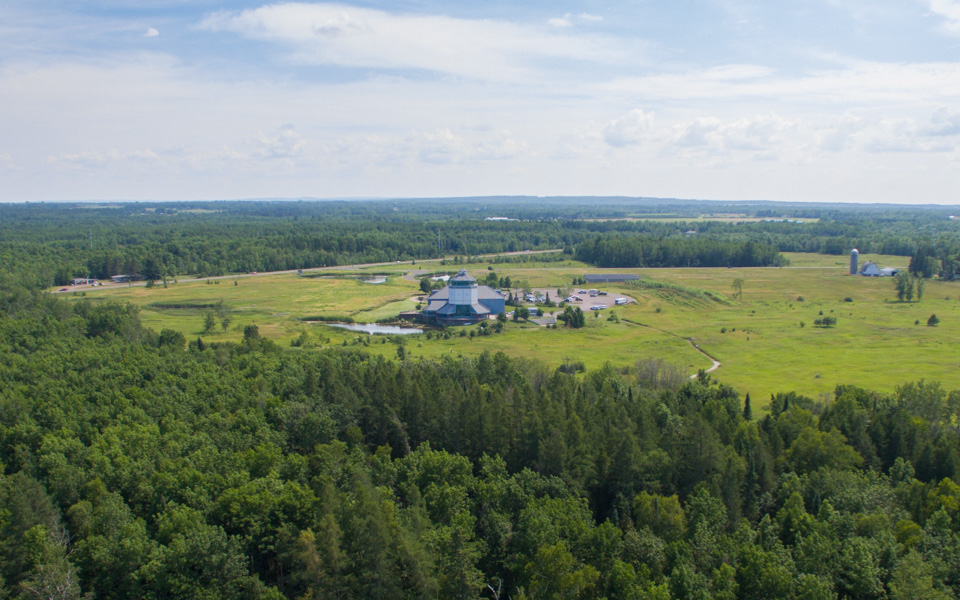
{"x": 944, "y": 122}
{"x": 98, "y": 159}
{"x": 441, "y": 147}
{"x": 950, "y": 11}
{"x": 697, "y": 132}
{"x": 891, "y": 135}
{"x": 857, "y": 83}
{"x": 837, "y": 137}
{"x": 567, "y": 19}
{"x": 151, "y": 32}
{"x": 445, "y": 147}
{"x": 757, "y": 133}
{"x": 755, "y": 137}
{"x": 502, "y": 148}
{"x": 285, "y": 143}
{"x": 336, "y": 34}
{"x": 939, "y": 135}
{"x": 628, "y": 130}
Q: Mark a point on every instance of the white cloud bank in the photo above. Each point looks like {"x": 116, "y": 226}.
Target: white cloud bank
{"x": 337, "y": 34}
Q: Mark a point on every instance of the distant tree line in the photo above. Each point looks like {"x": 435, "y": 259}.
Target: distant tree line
{"x": 638, "y": 251}
{"x": 49, "y": 244}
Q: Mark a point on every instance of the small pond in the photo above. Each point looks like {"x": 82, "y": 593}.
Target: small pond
{"x": 374, "y": 328}
{"x": 375, "y": 280}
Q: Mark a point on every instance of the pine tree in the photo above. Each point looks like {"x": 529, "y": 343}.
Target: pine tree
{"x": 747, "y": 411}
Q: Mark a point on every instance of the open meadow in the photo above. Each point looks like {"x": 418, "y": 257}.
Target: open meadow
{"x": 766, "y": 341}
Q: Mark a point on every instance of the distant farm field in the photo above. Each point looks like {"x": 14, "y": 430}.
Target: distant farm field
{"x": 766, "y": 342}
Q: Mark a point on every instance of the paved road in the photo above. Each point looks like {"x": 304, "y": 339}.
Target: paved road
{"x": 72, "y": 288}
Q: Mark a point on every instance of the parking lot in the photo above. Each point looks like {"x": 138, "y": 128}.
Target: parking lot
{"x": 584, "y": 299}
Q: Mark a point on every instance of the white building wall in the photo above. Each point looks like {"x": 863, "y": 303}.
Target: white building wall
{"x": 463, "y": 295}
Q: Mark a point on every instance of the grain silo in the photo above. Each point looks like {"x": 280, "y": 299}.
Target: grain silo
{"x": 854, "y": 255}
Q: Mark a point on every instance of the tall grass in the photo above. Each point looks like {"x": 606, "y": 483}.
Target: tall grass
{"x": 682, "y": 290}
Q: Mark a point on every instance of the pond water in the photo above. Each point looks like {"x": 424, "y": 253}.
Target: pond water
{"x": 374, "y": 328}
{"x": 375, "y": 280}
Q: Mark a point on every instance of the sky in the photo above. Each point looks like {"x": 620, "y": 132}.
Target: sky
{"x": 808, "y": 100}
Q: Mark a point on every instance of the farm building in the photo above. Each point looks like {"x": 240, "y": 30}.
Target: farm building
{"x": 463, "y": 302}
{"x": 870, "y": 269}
{"x": 889, "y": 271}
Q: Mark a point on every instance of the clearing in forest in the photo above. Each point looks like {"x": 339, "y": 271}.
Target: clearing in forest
{"x": 766, "y": 340}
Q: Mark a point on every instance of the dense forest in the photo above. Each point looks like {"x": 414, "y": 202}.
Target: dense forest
{"x": 640, "y": 251}
{"x": 49, "y": 244}
{"x": 138, "y": 465}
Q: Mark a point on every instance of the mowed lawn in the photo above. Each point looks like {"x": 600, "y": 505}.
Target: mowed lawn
{"x": 763, "y": 349}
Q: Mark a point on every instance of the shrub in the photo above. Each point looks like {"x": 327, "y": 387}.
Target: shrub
{"x": 933, "y": 321}
{"x": 572, "y": 367}
{"x": 825, "y": 322}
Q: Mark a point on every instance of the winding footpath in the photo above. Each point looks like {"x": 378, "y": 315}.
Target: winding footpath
{"x": 716, "y": 363}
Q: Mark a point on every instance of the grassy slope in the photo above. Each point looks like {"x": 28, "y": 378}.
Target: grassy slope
{"x": 876, "y": 343}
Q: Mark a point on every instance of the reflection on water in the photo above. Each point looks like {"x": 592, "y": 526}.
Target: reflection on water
{"x": 374, "y": 328}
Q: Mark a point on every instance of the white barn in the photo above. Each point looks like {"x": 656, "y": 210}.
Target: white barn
{"x": 870, "y": 269}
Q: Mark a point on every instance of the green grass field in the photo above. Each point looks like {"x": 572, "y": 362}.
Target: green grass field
{"x": 759, "y": 340}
